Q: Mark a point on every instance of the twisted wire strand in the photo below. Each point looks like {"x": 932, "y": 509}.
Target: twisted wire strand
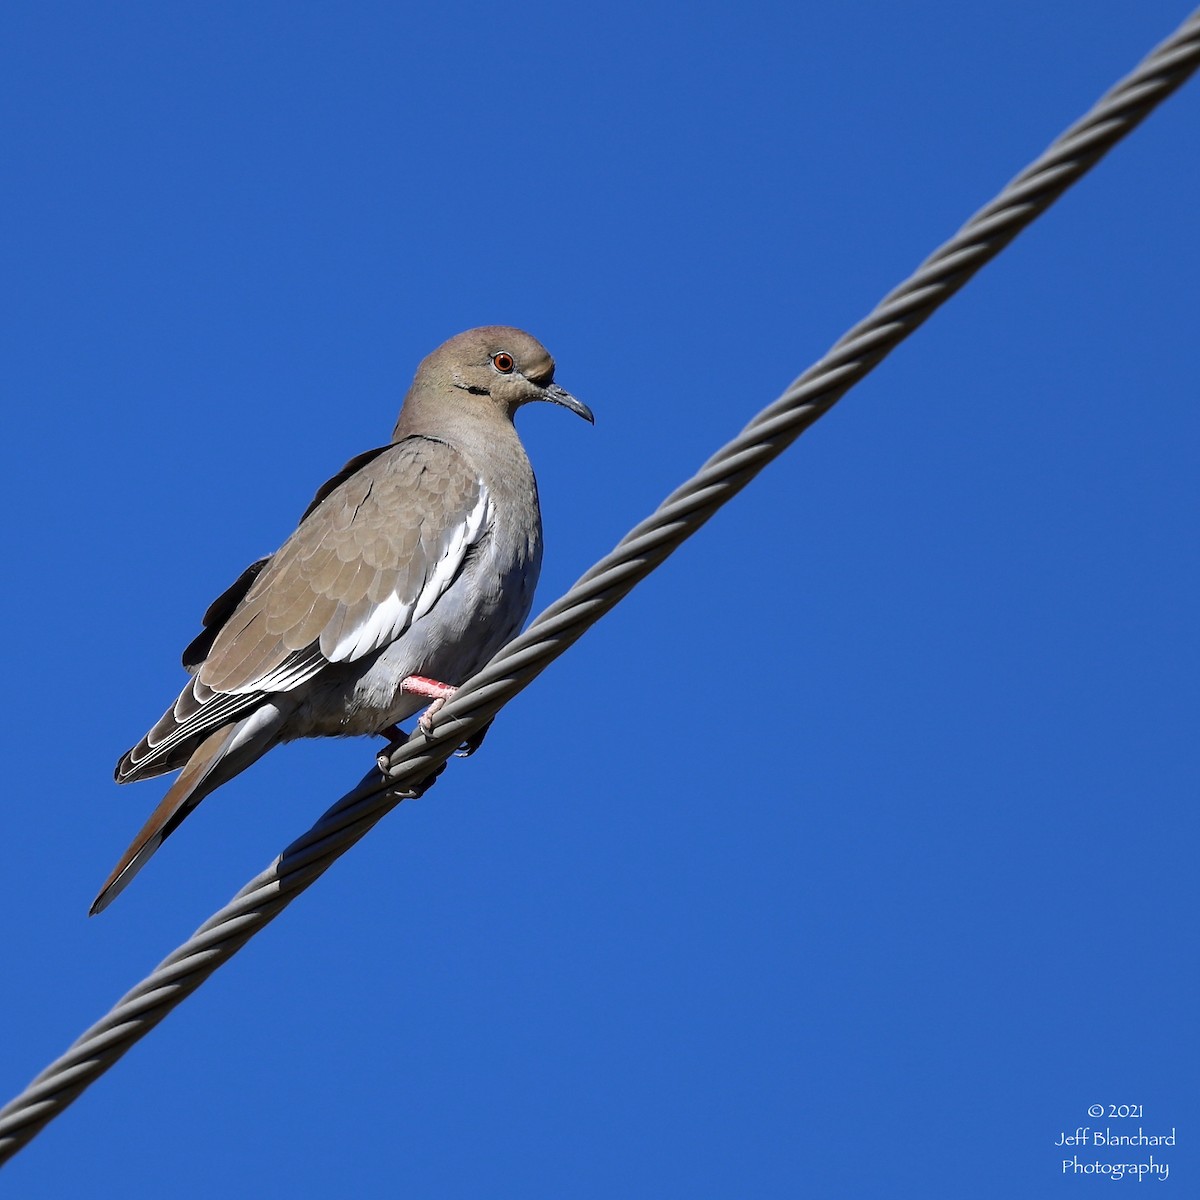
{"x": 683, "y": 512}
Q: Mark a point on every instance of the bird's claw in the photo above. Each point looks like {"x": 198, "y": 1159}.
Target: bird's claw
{"x": 384, "y": 762}
{"x": 397, "y": 737}
{"x": 473, "y": 742}
{"x": 425, "y": 724}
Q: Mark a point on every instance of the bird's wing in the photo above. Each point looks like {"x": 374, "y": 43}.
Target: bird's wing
{"x": 373, "y": 555}
{"x": 224, "y": 606}
{"x": 218, "y": 612}
{"x": 355, "y": 465}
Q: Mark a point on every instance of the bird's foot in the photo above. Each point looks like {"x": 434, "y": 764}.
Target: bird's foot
{"x": 383, "y": 760}
{"x": 439, "y": 693}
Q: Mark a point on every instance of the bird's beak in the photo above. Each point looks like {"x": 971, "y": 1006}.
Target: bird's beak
{"x": 557, "y": 395}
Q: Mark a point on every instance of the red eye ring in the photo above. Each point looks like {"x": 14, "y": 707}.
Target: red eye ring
{"x": 503, "y": 362}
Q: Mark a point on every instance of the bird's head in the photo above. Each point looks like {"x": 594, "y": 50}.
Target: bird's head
{"x": 490, "y": 371}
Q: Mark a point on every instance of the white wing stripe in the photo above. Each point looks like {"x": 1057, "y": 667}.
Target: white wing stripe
{"x": 391, "y": 613}
{"x": 447, "y": 566}
{"x": 291, "y": 673}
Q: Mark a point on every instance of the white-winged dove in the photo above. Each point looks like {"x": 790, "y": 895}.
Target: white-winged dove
{"x": 409, "y": 570}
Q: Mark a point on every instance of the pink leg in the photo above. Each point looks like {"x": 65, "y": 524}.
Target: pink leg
{"x": 439, "y": 693}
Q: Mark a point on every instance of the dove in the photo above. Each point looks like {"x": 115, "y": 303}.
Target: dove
{"x": 411, "y": 568}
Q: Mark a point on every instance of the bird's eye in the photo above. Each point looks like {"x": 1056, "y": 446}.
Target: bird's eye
{"x": 503, "y": 362}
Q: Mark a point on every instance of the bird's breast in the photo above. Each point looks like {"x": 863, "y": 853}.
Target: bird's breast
{"x": 484, "y": 606}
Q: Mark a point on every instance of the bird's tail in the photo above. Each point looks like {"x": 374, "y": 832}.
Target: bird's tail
{"x": 184, "y": 794}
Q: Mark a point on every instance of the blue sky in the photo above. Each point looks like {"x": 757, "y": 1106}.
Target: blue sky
{"x": 852, "y": 855}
